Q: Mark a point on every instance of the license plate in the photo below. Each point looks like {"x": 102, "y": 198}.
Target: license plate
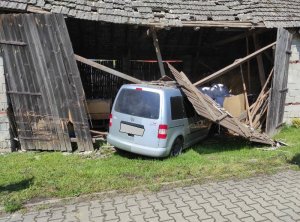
{"x": 132, "y": 129}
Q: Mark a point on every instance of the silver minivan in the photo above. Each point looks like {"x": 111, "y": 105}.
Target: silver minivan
{"x": 154, "y": 120}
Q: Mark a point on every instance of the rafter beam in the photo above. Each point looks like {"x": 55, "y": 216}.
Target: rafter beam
{"x": 233, "y": 65}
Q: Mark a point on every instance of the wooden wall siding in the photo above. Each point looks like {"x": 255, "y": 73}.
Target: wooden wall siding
{"x": 279, "y": 84}
{"x": 43, "y": 82}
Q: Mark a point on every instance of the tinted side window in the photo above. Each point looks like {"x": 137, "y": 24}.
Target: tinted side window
{"x": 189, "y": 109}
{"x": 177, "y": 109}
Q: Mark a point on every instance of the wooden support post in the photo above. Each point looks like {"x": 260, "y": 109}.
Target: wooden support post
{"x": 233, "y": 65}
{"x": 158, "y": 53}
{"x": 260, "y": 63}
{"x": 106, "y": 69}
{"x": 248, "y": 66}
{"x": 246, "y": 97}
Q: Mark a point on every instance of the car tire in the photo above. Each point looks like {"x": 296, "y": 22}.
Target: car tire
{"x": 177, "y": 147}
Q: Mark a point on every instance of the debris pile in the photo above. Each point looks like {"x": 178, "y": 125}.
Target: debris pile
{"x": 208, "y": 108}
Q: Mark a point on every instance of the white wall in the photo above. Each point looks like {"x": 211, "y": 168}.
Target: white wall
{"x": 5, "y": 144}
{"x": 292, "y": 107}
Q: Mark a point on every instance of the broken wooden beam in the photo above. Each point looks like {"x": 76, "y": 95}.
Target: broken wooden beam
{"x": 262, "y": 93}
{"x": 99, "y": 133}
{"x": 260, "y": 63}
{"x": 232, "y": 66}
{"x": 107, "y": 69}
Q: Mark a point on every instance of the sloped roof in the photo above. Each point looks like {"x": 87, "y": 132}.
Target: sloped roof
{"x": 271, "y": 13}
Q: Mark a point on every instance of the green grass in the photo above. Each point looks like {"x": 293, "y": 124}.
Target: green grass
{"x": 34, "y": 176}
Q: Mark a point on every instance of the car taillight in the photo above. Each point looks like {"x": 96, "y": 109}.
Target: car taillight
{"x": 162, "y": 132}
{"x": 139, "y": 89}
{"x": 110, "y": 120}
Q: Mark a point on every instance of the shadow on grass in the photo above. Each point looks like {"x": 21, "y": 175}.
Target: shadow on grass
{"x": 133, "y": 156}
{"x": 295, "y": 160}
{"x": 21, "y": 185}
{"x": 212, "y": 144}
{"x": 221, "y": 143}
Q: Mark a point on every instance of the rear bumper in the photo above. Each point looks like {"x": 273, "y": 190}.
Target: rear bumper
{"x": 138, "y": 149}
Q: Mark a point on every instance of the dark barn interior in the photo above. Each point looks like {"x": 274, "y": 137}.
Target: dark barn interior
{"x": 197, "y": 52}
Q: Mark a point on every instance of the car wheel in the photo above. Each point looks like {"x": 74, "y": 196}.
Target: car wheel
{"x": 177, "y": 147}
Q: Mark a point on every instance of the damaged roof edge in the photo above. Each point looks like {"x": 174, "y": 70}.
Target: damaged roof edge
{"x": 176, "y": 13}
{"x": 221, "y": 24}
{"x": 225, "y": 24}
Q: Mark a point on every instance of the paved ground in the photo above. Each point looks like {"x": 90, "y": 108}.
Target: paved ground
{"x": 272, "y": 198}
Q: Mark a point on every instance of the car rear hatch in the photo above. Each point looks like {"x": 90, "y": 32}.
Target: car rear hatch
{"x": 136, "y": 114}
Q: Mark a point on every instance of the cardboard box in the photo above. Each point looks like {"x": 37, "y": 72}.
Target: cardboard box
{"x": 235, "y": 105}
{"x": 99, "y": 108}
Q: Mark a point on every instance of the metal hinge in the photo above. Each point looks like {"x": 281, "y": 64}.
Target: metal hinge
{"x": 24, "y": 93}
{"x": 12, "y": 43}
{"x": 284, "y": 90}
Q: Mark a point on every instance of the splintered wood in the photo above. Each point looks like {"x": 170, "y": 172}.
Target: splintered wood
{"x": 208, "y": 108}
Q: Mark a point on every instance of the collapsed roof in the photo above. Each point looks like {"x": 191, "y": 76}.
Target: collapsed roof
{"x": 232, "y": 13}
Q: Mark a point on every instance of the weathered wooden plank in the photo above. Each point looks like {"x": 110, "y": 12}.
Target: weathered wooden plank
{"x": 20, "y": 76}
{"x": 43, "y": 67}
{"x": 81, "y": 126}
{"x": 277, "y": 99}
{"x": 232, "y": 66}
{"x": 56, "y": 84}
{"x": 10, "y": 68}
{"x": 210, "y": 24}
{"x": 42, "y": 108}
{"x": 75, "y": 112}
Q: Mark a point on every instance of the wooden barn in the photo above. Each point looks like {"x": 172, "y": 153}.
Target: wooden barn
{"x": 63, "y": 61}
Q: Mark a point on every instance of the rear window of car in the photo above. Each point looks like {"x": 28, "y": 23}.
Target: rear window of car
{"x": 138, "y": 103}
